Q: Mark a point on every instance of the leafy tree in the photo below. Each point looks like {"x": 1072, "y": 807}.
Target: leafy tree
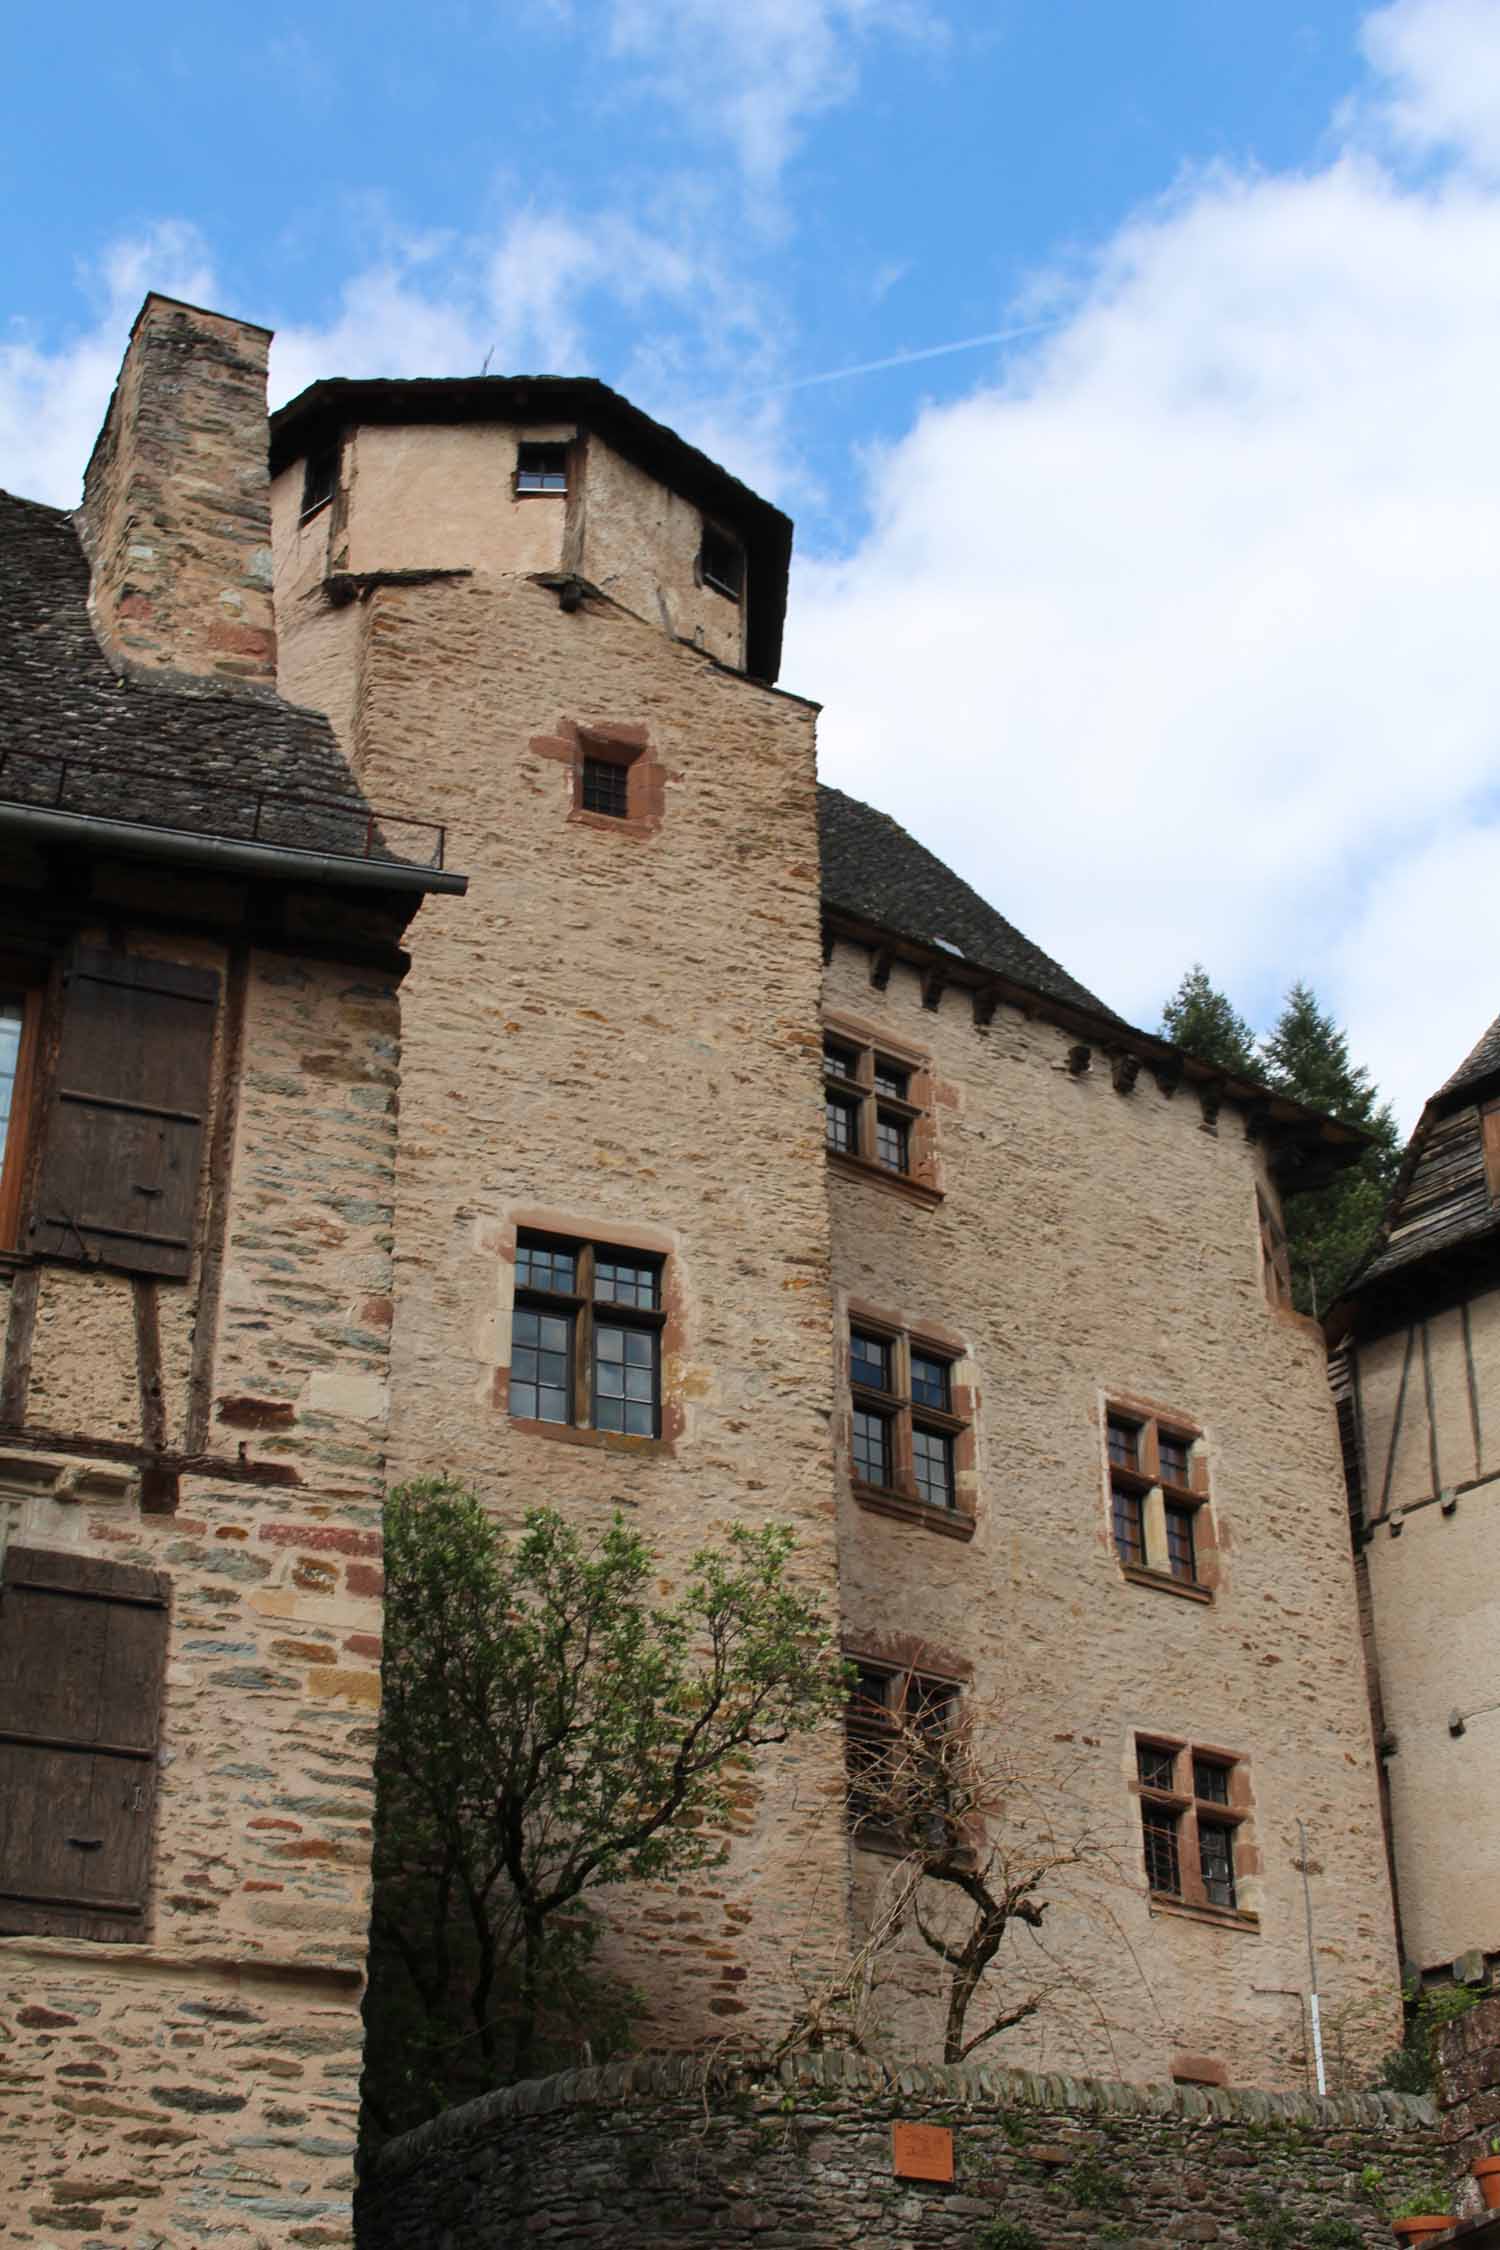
{"x": 547, "y": 1733}
{"x": 1200, "y": 1017}
{"x": 1307, "y": 1056}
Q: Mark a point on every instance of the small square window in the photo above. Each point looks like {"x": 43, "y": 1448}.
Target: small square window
{"x": 1156, "y": 1765}
{"x": 869, "y": 1361}
{"x": 606, "y": 786}
{"x": 721, "y": 561}
{"x": 930, "y": 1382}
{"x": 541, "y": 468}
{"x": 891, "y": 1080}
{"x": 1124, "y": 1443}
{"x": 1211, "y": 1781}
{"x": 839, "y": 1061}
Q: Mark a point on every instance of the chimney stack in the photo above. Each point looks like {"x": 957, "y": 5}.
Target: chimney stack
{"x": 176, "y": 515}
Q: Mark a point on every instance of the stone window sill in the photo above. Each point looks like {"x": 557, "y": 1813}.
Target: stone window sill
{"x": 602, "y": 1441}
{"x": 1222, "y": 1917}
{"x": 949, "y": 1523}
{"x": 898, "y": 1183}
{"x": 1165, "y": 1583}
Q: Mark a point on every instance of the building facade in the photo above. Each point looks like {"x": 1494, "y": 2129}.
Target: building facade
{"x": 749, "y": 1167}
{"x": 199, "y": 962}
{"x": 1418, "y": 1364}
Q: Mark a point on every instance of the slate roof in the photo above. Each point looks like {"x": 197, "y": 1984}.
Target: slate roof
{"x": 1440, "y": 1207}
{"x": 185, "y": 754}
{"x": 873, "y": 869}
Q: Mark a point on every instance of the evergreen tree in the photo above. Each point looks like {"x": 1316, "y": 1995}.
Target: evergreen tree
{"x": 1307, "y": 1057}
{"x": 1200, "y": 1018}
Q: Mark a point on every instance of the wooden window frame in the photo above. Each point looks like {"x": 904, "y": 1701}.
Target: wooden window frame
{"x": 1191, "y": 1815}
{"x": 903, "y": 1415}
{"x": 27, "y": 980}
{"x": 524, "y": 491}
{"x": 869, "y": 1721}
{"x": 585, "y": 1313}
{"x": 730, "y": 586}
{"x": 857, "y": 1096}
{"x": 1160, "y": 1504}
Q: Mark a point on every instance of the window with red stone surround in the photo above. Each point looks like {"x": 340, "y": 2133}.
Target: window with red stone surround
{"x": 911, "y": 1424}
{"x": 1156, "y": 1475}
{"x": 884, "y": 1699}
{"x": 616, "y": 782}
{"x": 877, "y": 1108}
{"x": 595, "y": 1329}
{"x": 1195, "y": 1808}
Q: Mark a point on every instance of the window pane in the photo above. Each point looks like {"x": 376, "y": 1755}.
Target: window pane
{"x": 625, "y": 1361}
{"x": 1174, "y": 1454}
{"x": 606, "y": 787}
{"x": 618, "y": 1281}
{"x": 841, "y": 1124}
{"x": 1181, "y": 1552}
{"x": 891, "y": 1079}
{"x": 871, "y": 1689}
{"x": 1124, "y": 1444}
{"x": 540, "y": 1389}
{"x": 932, "y": 1460}
{"x": 891, "y": 1141}
{"x": 1216, "y": 1861}
{"x": 542, "y": 1265}
{"x": 1155, "y": 1765}
{"x": 839, "y": 1061}
{"x": 869, "y": 1362}
{"x": 1159, "y": 1833}
{"x": 929, "y": 1381}
{"x": 11, "y": 1019}
{"x": 1130, "y": 1536}
{"x": 872, "y": 1448}
{"x": 1211, "y": 1781}
{"x": 541, "y": 468}
{"x": 930, "y": 1704}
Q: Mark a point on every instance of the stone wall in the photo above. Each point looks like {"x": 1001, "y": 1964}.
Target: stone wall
{"x": 1469, "y": 2095}
{"x": 639, "y": 2156}
{"x": 1092, "y": 1245}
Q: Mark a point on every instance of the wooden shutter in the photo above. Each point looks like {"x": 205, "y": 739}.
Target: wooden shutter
{"x": 124, "y": 1132}
{"x": 82, "y": 1655}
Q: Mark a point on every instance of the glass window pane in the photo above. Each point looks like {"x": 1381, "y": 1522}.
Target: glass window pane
{"x": 609, "y": 1343}
{"x": 639, "y": 1383}
{"x": 929, "y": 1381}
{"x": 1174, "y": 1456}
{"x": 1159, "y": 1831}
{"x": 869, "y": 1361}
{"x": 1130, "y": 1536}
{"x": 625, "y": 1372}
{"x": 1211, "y": 1781}
{"x": 841, "y": 1124}
{"x": 609, "y": 1413}
{"x": 1181, "y": 1552}
{"x": 553, "y": 1334}
{"x": 891, "y": 1079}
{"x": 609, "y": 1379}
{"x": 1155, "y": 1765}
{"x": 541, "y": 1265}
{"x": 606, "y": 787}
{"x": 891, "y": 1142}
{"x": 839, "y": 1061}
{"x": 872, "y": 1449}
{"x": 932, "y": 1460}
{"x": 620, "y": 1281}
{"x": 640, "y": 1348}
{"x": 1216, "y": 1862}
{"x": 1124, "y": 1444}
{"x": 640, "y": 1420}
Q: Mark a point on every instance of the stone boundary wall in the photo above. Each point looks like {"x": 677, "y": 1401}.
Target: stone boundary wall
{"x": 642, "y": 2155}
{"x": 1468, "y": 2077}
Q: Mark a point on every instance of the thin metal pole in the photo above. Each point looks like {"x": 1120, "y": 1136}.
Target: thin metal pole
{"x": 1312, "y": 1969}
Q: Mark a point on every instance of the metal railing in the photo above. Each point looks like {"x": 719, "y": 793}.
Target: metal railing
{"x": 209, "y": 804}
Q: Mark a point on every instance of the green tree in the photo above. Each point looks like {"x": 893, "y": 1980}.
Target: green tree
{"x": 1307, "y": 1056}
{"x": 547, "y": 1732}
{"x": 1200, "y": 1018}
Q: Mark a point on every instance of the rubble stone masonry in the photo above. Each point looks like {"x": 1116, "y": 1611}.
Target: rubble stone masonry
{"x": 202, "y": 2086}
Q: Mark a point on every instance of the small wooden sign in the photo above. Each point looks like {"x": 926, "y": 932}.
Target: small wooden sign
{"x": 922, "y": 2152}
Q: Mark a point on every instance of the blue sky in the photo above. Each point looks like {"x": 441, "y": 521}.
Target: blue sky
{"x": 1169, "y": 621}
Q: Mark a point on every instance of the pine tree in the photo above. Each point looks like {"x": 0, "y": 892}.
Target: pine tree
{"x": 1307, "y": 1057}
{"x": 1199, "y": 1017}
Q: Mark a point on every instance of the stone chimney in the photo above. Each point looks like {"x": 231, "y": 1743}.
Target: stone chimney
{"x": 176, "y": 515}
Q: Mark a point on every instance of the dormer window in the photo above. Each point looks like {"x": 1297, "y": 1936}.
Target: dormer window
{"x": 320, "y": 479}
{"x": 541, "y": 468}
{"x": 721, "y": 563}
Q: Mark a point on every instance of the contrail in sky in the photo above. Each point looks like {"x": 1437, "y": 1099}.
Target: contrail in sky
{"x": 900, "y": 359}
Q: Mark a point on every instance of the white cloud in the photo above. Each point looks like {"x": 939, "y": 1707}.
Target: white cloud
{"x": 756, "y": 77}
{"x": 1180, "y": 641}
{"x": 53, "y": 397}
{"x": 1441, "y": 61}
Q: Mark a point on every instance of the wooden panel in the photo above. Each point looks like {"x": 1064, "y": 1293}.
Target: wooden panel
{"x": 82, "y": 1655}
{"x": 125, "y": 1124}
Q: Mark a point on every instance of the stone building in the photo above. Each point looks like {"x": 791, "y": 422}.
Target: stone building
{"x": 200, "y": 926}
{"x": 749, "y": 1166}
{"x": 1417, "y": 1368}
